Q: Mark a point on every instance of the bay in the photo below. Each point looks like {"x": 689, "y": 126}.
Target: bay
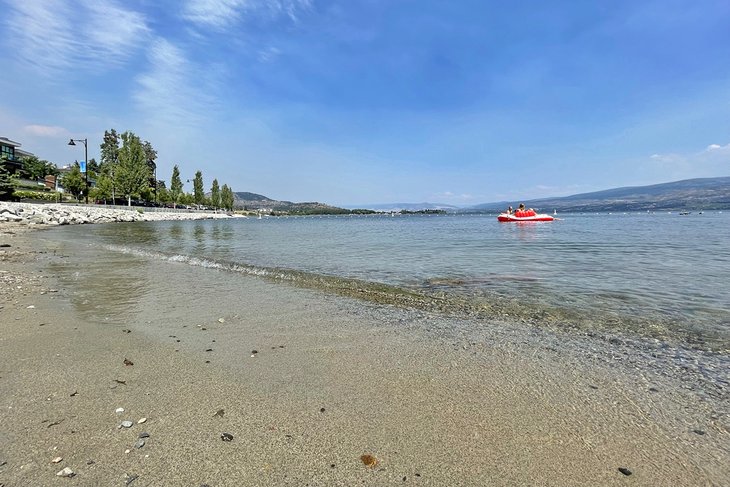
{"x": 659, "y": 275}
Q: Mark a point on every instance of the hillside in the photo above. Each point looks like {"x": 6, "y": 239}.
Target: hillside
{"x": 258, "y": 202}
{"x": 688, "y": 194}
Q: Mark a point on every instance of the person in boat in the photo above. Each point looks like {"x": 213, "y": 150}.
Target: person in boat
{"x": 522, "y": 212}
{"x": 509, "y": 210}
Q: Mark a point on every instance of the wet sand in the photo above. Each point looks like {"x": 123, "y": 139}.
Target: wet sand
{"x": 333, "y": 379}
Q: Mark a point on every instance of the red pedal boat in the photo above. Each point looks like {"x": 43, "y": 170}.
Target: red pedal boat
{"x": 525, "y": 216}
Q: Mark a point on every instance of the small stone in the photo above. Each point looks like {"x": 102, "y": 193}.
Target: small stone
{"x": 129, "y": 478}
{"x": 226, "y": 437}
{"x": 119, "y": 410}
{"x": 221, "y": 320}
{"x": 31, "y": 307}
{"x": 254, "y": 352}
{"x": 625, "y": 471}
{"x": 321, "y": 410}
{"x": 57, "y": 460}
{"x": 219, "y": 413}
{"x": 66, "y": 472}
{"x": 699, "y": 431}
{"x": 127, "y": 451}
{"x": 144, "y": 434}
{"x": 127, "y": 424}
{"x": 369, "y": 460}
{"x": 142, "y": 420}
{"x": 140, "y": 443}
{"x": 90, "y": 462}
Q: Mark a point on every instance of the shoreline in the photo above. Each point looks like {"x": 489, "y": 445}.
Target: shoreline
{"x": 66, "y": 214}
{"x": 334, "y": 379}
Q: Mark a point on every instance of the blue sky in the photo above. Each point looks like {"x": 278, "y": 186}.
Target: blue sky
{"x": 379, "y": 101}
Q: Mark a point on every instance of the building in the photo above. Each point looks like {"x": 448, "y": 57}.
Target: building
{"x": 11, "y": 155}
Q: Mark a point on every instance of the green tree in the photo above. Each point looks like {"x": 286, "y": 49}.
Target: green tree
{"x": 163, "y": 195}
{"x": 34, "y": 168}
{"x": 150, "y": 155}
{"x": 198, "y": 191}
{"x": 103, "y": 189}
{"x": 132, "y": 171}
{"x": 74, "y": 181}
{"x": 187, "y": 199}
{"x": 227, "y": 198}
{"x": 110, "y": 157}
{"x": 215, "y": 195}
{"x": 176, "y": 186}
{"x": 7, "y": 183}
{"x": 92, "y": 166}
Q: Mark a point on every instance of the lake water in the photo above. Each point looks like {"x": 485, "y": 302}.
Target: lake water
{"x": 663, "y": 275}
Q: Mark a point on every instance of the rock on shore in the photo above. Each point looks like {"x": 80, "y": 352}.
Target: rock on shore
{"x": 63, "y": 214}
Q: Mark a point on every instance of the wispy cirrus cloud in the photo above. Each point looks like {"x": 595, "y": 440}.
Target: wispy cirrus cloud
{"x": 221, "y": 14}
{"x": 172, "y": 91}
{"x": 53, "y": 37}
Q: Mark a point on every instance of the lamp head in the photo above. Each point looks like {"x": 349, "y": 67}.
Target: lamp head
{"x": 71, "y": 142}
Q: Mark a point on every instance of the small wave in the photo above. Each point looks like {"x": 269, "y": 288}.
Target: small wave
{"x": 442, "y": 296}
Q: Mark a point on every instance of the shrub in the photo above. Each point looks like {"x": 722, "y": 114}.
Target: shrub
{"x": 36, "y": 195}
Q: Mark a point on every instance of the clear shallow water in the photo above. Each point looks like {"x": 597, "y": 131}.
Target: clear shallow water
{"x": 654, "y": 274}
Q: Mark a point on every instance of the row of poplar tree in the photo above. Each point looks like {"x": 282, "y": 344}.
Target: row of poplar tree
{"x": 128, "y": 170}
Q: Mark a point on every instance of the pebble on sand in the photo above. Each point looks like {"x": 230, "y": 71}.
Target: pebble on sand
{"x": 142, "y": 420}
{"x": 369, "y": 460}
{"x": 66, "y": 472}
{"x": 57, "y": 460}
{"x": 127, "y": 424}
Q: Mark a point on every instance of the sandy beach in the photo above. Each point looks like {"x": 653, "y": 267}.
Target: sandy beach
{"x": 292, "y": 386}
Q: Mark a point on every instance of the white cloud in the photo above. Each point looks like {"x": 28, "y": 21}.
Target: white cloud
{"x": 221, "y": 14}
{"x": 172, "y": 92}
{"x": 45, "y": 130}
{"x": 56, "y": 37}
{"x": 269, "y": 54}
{"x": 709, "y": 162}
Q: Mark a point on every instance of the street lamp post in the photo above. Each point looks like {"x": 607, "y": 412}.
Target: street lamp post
{"x": 86, "y": 163}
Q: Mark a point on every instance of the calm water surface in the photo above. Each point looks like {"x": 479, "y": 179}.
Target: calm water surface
{"x": 644, "y": 272}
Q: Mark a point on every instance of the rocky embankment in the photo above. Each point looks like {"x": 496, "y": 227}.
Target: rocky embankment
{"x": 59, "y": 214}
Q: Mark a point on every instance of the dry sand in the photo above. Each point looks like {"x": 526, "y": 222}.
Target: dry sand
{"x": 332, "y": 379}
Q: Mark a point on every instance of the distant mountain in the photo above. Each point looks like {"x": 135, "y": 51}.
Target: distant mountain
{"x": 253, "y": 201}
{"x": 406, "y": 206}
{"x": 245, "y": 196}
{"x": 688, "y": 194}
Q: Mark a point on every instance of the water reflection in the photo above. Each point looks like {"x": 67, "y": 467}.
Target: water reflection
{"x": 106, "y": 287}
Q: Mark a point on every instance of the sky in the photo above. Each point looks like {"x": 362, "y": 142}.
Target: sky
{"x": 357, "y": 102}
